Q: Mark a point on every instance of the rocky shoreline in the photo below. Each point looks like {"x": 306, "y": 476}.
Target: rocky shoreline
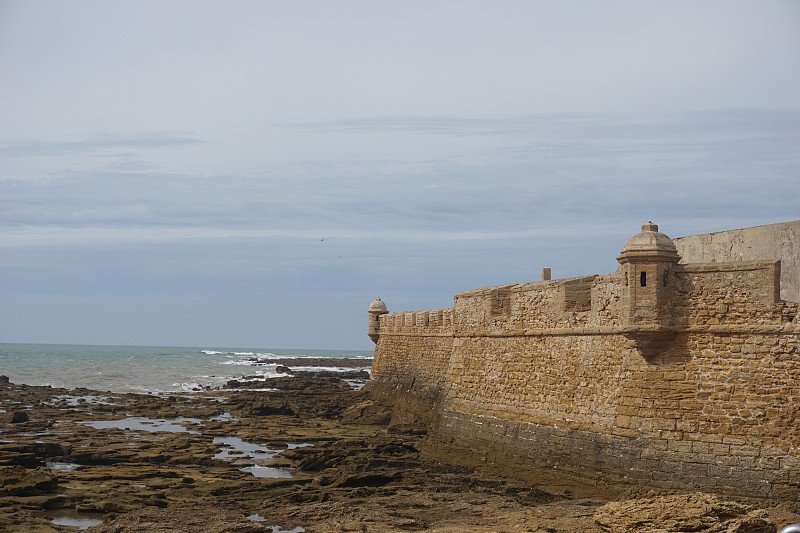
{"x": 304, "y": 452}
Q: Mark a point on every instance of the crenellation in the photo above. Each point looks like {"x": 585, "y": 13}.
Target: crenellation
{"x": 669, "y": 373}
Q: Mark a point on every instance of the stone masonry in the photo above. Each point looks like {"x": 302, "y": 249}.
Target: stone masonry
{"x": 773, "y": 241}
{"x": 663, "y": 373}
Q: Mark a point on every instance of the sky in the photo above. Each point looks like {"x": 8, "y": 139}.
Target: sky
{"x": 255, "y": 173}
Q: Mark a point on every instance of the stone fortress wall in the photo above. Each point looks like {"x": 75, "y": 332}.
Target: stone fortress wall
{"x": 412, "y": 368}
{"x": 773, "y": 241}
{"x": 666, "y": 374}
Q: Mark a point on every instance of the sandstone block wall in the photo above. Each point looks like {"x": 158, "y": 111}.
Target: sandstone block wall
{"x": 772, "y": 242}
{"x": 411, "y": 358}
{"x": 547, "y": 381}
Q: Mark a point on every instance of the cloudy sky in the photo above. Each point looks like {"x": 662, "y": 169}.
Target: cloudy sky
{"x": 254, "y": 173}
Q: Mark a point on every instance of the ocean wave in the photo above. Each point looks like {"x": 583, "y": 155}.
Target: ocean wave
{"x": 240, "y": 354}
{"x": 156, "y": 370}
{"x": 329, "y": 369}
{"x": 248, "y": 389}
{"x": 188, "y": 387}
{"x": 239, "y": 362}
{"x": 260, "y": 376}
{"x": 326, "y": 355}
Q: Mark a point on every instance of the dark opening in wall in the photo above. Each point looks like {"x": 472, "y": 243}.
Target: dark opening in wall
{"x": 643, "y": 279}
{"x": 666, "y": 278}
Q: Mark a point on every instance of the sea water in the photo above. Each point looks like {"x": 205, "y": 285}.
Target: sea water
{"x": 147, "y": 369}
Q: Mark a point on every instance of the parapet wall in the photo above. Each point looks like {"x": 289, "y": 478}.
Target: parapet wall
{"x": 551, "y": 381}
{"x": 545, "y": 394}
{"x": 410, "y": 365}
{"x": 771, "y": 242}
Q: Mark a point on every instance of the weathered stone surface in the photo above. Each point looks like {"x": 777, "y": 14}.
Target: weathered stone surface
{"x": 354, "y": 476}
{"x": 19, "y": 481}
{"x": 661, "y": 374}
{"x": 771, "y": 241}
{"x": 698, "y": 512}
{"x": 15, "y": 417}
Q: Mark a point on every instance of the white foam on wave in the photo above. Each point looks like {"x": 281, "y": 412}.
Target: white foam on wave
{"x": 242, "y": 354}
{"x": 188, "y": 387}
{"x": 329, "y": 369}
{"x": 260, "y": 375}
{"x": 238, "y": 362}
{"x": 320, "y": 356}
{"x": 332, "y": 355}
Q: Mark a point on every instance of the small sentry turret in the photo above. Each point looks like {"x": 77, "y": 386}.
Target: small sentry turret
{"x": 648, "y": 262}
{"x": 376, "y": 309}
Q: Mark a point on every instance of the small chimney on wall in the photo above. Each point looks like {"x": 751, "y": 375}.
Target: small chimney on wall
{"x": 546, "y": 273}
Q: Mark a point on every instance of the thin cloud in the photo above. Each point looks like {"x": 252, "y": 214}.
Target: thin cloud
{"x": 447, "y": 125}
{"x": 545, "y": 172}
{"x": 581, "y": 125}
{"x": 96, "y": 143}
{"x": 415, "y": 226}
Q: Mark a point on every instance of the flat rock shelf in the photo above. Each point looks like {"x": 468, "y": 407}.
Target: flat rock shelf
{"x": 318, "y": 458}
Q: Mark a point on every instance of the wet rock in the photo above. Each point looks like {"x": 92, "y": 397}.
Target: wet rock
{"x": 367, "y": 412}
{"x": 306, "y": 383}
{"x": 319, "y": 461}
{"x": 333, "y": 375}
{"x": 396, "y": 448}
{"x": 19, "y": 481}
{"x": 182, "y": 518}
{"x": 288, "y": 383}
{"x": 357, "y": 476}
{"x": 102, "y": 506}
{"x": 30, "y": 453}
{"x": 4, "y": 380}
{"x": 11, "y": 457}
{"x": 276, "y": 409}
{"x": 353, "y": 480}
{"x": 15, "y": 417}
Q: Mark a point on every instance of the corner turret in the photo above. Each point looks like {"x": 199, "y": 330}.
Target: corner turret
{"x": 376, "y": 309}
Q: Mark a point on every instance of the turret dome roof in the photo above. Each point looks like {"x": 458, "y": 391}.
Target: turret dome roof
{"x": 377, "y": 306}
{"x": 649, "y": 242}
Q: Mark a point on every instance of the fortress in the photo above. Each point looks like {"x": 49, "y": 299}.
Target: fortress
{"x": 680, "y": 370}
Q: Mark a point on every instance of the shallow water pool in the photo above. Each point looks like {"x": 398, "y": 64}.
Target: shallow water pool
{"x": 72, "y": 518}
